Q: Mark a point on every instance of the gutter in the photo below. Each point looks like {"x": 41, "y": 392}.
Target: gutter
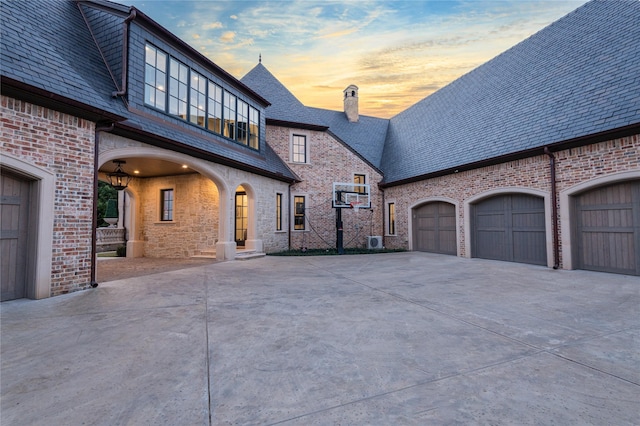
{"x": 554, "y": 207}
{"x": 125, "y": 54}
{"x": 96, "y": 165}
{"x": 617, "y": 133}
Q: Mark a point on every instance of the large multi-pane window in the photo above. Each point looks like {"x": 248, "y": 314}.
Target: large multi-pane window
{"x": 299, "y": 149}
{"x": 166, "y": 204}
{"x": 298, "y": 212}
{"x": 174, "y": 88}
{"x": 229, "y": 114}
{"x": 214, "y": 112}
{"x": 243, "y": 122}
{"x": 198, "y": 99}
{"x": 155, "y": 77}
{"x": 178, "y": 84}
{"x": 254, "y": 126}
{"x": 278, "y": 212}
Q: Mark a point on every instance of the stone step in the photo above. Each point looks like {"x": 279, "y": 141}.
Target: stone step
{"x": 205, "y": 254}
{"x": 248, "y": 254}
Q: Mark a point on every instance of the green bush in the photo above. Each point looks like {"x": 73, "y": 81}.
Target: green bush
{"x": 121, "y": 251}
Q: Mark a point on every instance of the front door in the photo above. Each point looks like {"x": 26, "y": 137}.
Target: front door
{"x": 14, "y": 214}
{"x": 241, "y": 218}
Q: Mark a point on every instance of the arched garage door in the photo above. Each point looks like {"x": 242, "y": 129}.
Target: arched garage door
{"x": 608, "y": 229}
{"x": 435, "y": 228}
{"x": 510, "y": 227}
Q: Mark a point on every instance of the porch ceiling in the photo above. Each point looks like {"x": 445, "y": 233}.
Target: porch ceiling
{"x": 147, "y": 167}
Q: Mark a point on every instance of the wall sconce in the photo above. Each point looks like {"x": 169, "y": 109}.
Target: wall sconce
{"x": 119, "y": 179}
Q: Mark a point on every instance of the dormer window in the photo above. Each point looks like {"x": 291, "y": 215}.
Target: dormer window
{"x": 197, "y": 100}
{"x": 155, "y": 77}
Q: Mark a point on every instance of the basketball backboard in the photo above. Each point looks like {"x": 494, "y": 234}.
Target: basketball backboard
{"x": 348, "y": 195}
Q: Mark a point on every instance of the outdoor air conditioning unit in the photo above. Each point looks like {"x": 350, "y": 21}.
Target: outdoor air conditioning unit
{"x": 374, "y": 243}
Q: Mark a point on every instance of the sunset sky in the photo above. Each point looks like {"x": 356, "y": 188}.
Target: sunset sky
{"x": 396, "y": 52}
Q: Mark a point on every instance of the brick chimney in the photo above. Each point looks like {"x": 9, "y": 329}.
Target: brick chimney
{"x": 351, "y": 103}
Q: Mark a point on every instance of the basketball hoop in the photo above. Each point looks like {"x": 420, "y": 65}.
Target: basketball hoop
{"x": 355, "y": 205}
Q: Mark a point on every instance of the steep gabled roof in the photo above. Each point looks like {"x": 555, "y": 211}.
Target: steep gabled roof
{"x": 285, "y": 107}
{"x": 365, "y": 137}
{"x": 47, "y": 49}
{"x": 577, "y": 77}
{"x": 63, "y": 66}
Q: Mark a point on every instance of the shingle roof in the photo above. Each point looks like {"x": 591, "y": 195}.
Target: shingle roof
{"x": 46, "y": 44}
{"x": 579, "y": 76}
{"x": 285, "y": 106}
{"x": 366, "y": 137}
{"x": 224, "y": 151}
{"x": 62, "y": 58}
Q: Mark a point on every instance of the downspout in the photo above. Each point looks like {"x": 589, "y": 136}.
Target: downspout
{"x": 554, "y": 208}
{"x": 96, "y": 165}
{"x": 383, "y": 209}
{"x": 125, "y": 54}
{"x": 289, "y": 216}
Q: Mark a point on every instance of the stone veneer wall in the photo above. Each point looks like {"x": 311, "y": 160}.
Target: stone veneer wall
{"x": 573, "y": 166}
{"x": 328, "y": 161}
{"x": 64, "y": 145}
{"x": 195, "y": 218}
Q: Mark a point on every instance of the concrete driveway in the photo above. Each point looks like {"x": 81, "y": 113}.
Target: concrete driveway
{"x": 382, "y": 339}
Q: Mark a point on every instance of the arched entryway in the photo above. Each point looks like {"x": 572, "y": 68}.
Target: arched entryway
{"x": 177, "y": 204}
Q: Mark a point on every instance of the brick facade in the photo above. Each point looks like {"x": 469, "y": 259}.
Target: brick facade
{"x": 63, "y": 145}
{"x": 573, "y": 166}
{"x": 328, "y": 161}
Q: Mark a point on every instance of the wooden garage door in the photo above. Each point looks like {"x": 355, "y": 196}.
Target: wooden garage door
{"x": 608, "y": 229}
{"x": 435, "y": 228}
{"x": 14, "y": 217}
{"x": 510, "y": 227}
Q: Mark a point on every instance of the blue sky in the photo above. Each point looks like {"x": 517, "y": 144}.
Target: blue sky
{"x": 396, "y": 52}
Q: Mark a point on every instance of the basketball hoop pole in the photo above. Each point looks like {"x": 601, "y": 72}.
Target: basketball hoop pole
{"x": 339, "y": 231}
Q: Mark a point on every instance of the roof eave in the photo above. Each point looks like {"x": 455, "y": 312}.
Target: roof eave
{"x": 617, "y": 133}
{"x": 23, "y": 91}
{"x": 293, "y": 124}
{"x": 122, "y": 129}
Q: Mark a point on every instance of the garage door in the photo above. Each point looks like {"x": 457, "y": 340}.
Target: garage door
{"x": 14, "y": 212}
{"x": 510, "y": 227}
{"x": 608, "y": 229}
{"x": 435, "y": 228}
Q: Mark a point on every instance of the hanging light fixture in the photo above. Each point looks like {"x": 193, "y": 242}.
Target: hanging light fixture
{"x": 119, "y": 179}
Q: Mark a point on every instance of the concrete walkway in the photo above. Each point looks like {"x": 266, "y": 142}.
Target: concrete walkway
{"x": 383, "y": 339}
